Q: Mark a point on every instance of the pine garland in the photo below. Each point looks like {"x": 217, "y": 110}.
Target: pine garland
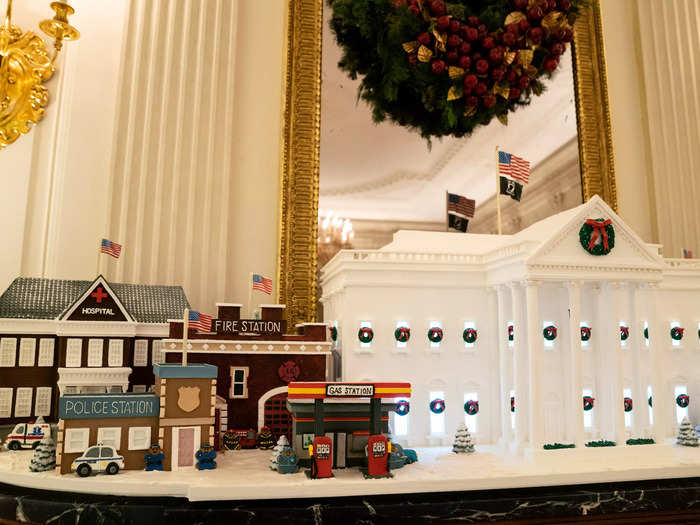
{"x": 380, "y": 42}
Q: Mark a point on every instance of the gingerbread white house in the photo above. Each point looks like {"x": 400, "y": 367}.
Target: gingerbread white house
{"x": 509, "y": 333}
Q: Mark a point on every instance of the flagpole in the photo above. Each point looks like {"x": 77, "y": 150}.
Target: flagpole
{"x": 185, "y": 328}
{"x": 99, "y": 251}
{"x": 498, "y": 194}
{"x": 447, "y": 211}
{"x": 250, "y": 296}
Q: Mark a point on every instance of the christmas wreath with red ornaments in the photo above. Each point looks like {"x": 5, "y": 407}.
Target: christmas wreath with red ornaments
{"x": 444, "y": 68}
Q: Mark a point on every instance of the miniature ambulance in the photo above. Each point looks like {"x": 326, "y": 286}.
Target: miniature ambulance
{"x": 98, "y": 458}
{"x": 27, "y": 435}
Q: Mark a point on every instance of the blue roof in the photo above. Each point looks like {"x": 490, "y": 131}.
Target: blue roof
{"x": 176, "y": 370}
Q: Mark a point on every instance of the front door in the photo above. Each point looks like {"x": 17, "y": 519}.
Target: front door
{"x": 185, "y": 444}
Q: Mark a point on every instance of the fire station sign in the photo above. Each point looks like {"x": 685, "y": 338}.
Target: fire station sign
{"x": 254, "y": 327}
{"x": 349, "y": 390}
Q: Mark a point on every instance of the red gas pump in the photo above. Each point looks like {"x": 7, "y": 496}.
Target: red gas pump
{"x": 378, "y": 449}
{"x": 321, "y": 452}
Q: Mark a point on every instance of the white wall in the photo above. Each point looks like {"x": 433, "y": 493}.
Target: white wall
{"x": 162, "y": 133}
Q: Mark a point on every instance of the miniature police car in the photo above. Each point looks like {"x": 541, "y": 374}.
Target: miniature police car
{"x": 98, "y": 458}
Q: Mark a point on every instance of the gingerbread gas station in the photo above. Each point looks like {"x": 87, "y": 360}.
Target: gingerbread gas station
{"x": 338, "y": 425}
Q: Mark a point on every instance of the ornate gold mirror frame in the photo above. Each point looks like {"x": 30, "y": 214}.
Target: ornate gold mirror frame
{"x": 301, "y": 142}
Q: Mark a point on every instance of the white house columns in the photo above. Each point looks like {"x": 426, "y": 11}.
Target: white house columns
{"x": 575, "y": 362}
{"x": 535, "y": 357}
{"x": 505, "y": 368}
{"x": 661, "y": 397}
{"x": 521, "y": 368}
{"x": 640, "y": 414}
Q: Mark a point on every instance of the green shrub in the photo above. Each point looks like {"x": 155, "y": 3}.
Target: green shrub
{"x": 601, "y": 443}
{"x": 554, "y": 446}
{"x": 640, "y": 441}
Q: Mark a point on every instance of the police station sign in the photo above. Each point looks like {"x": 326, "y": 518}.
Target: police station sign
{"x": 254, "y": 327}
{"x": 349, "y": 390}
{"x": 80, "y": 406}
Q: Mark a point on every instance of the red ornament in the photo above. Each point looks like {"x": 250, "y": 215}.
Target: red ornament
{"x": 535, "y": 13}
{"x": 488, "y": 43}
{"x": 473, "y": 21}
{"x": 511, "y": 76}
{"x": 480, "y": 88}
{"x": 488, "y": 101}
{"x": 564, "y": 5}
{"x": 498, "y": 73}
{"x": 438, "y": 8}
{"x": 471, "y": 34}
{"x": 472, "y": 101}
{"x": 413, "y": 59}
{"x": 551, "y": 64}
{"x": 509, "y": 38}
{"x": 514, "y": 93}
{"x": 424, "y": 38}
{"x": 438, "y": 66}
{"x": 557, "y": 49}
{"x": 455, "y": 26}
{"x": 454, "y": 41}
{"x": 535, "y": 34}
{"x": 482, "y": 29}
{"x": 513, "y": 28}
{"x": 523, "y": 82}
{"x": 496, "y": 55}
{"x": 414, "y": 9}
{"x": 482, "y": 66}
{"x": 442, "y": 23}
{"x": 520, "y": 5}
{"x": 399, "y": 3}
{"x": 452, "y": 57}
{"x": 524, "y": 25}
{"x": 470, "y": 81}
{"x": 465, "y": 62}
{"x": 288, "y": 371}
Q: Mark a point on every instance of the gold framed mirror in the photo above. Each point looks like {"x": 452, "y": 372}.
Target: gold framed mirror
{"x": 301, "y": 142}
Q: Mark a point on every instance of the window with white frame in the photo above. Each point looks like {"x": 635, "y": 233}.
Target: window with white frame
{"x": 402, "y": 324}
{"x": 141, "y": 352}
{"x": 588, "y": 414}
{"x": 400, "y": 426}
{"x": 76, "y": 440}
{"x": 5, "y": 402}
{"x": 549, "y": 345}
{"x": 512, "y": 413}
{"x": 110, "y": 436}
{"x": 158, "y": 356}
{"x": 95, "y": 352}
{"x": 23, "y": 402}
{"x": 472, "y": 325}
{"x": 139, "y": 438}
{"x": 138, "y": 388}
{"x": 365, "y": 324}
{"x": 585, "y": 344}
{"x": 510, "y": 326}
{"x": 624, "y": 325}
{"x": 115, "y": 353}
{"x": 627, "y": 392}
{"x": 8, "y": 351}
{"x": 27, "y": 351}
{"x": 437, "y": 421}
{"x": 239, "y": 382}
{"x": 42, "y": 403}
{"x": 471, "y": 421}
{"x": 46, "y": 352}
{"x": 435, "y": 324}
{"x": 674, "y": 342}
{"x": 651, "y": 410}
{"x": 74, "y": 352}
{"x": 681, "y": 412}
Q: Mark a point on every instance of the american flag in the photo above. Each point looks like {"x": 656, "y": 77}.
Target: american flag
{"x": 514, "y": 167}
{"x": 460, "y": 205}
{"x": 201, "y": 322}
{"x": 110, "y": 248}
{"x": 262, "y": 284}
{"x": 687, "y": 254}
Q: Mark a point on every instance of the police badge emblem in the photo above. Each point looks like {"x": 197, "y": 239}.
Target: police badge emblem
{"x": 188, "y": 398}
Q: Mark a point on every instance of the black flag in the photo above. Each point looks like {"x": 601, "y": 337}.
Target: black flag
{"x": 511, "y": 188}
{"x": 458, "y": 223}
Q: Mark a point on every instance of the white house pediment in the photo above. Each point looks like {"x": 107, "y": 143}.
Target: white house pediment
{"x": 563, "y": 246}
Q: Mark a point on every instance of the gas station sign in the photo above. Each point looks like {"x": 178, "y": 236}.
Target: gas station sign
{"x": 349, "y": 390}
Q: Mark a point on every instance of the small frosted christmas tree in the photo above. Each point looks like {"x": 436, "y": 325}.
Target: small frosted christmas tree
{"x": 44, "y": 456}
{"x": 463, "y": 441}
{"x": 282, "y": 445}
{"x": 686, "y": 434}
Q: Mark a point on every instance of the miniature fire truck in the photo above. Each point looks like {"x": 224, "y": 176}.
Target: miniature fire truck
{"x": 27, "y": 435}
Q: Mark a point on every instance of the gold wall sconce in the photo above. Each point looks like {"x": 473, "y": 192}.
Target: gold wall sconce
{"x": 24, "y": 66}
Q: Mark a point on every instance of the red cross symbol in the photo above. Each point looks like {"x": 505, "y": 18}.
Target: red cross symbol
{"x": 99, "y": 294}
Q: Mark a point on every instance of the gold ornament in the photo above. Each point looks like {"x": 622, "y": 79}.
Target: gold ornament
{"x": 24, "y": 66}
{"x": 424, "y": 54}
{"x": 515, "y": 17}
{"x": 454, "y": 93}
{"x": 502, "y": 89}
{"x": 455, "y": 72}
{"x": 503, "y": 118}
{"x": 440, "y": 41}
{"x": 525, "y": 57}
{"x": 410, "y": 47}
{"x": 553, "y": 22}
{"x": 470, "y": 111}
{"x": 508, "y": 57}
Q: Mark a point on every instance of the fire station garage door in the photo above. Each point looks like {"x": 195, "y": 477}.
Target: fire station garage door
{"x": 277, "y": 417}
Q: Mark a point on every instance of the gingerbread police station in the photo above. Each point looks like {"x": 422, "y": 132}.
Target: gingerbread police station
{"x": 256, "y": 359}
{"x": 179, "y": 416}
{"x": 61, "y": 336}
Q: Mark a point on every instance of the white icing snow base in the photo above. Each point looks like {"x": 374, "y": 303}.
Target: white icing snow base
{"x": 245, "y": 474}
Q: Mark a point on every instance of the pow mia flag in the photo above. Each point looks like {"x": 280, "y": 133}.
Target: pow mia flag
{"x": 459, "y": 210}
{"x": 458, "y": 223}
{"x": 511, "y": 188}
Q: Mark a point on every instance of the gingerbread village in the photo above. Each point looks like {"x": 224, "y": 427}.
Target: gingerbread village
{"x": 570, "y": 337}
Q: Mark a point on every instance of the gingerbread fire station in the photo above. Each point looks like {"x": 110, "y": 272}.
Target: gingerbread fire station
{"x": 256, "y": 360}
{"x": 60, "y": 336}
{"x": 179, "y": 416}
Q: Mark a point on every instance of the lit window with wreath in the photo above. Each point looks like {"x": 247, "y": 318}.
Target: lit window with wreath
{"x": 628, "y": 406}
{"x": 624, "y": 334}
{"x": 469, "y": 335}
{"x": 550, "y": 334}
{"x": 682, "y": 401}
{"x": 510, "y": 333}
{"x": 435, "y": 334}
{"x": 401, "y": 417}
{"x": 471, "y": 411}
{"x": 588, "y": 404}
{"x": 677, "y": 332}
{"x": 437, "y": 412}
{"x": 365, "y": 334}
{"x": 402, "y": 334}
{"x": 586, "y": 333}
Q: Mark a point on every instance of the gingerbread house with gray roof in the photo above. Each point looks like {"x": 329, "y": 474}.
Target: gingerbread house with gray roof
{"x": 60, "y": 336}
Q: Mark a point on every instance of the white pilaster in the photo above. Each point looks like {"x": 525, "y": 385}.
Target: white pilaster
{"x": 520, "y": 368}
{"x": 534, "y": 354}
{"x": 575, "y": 408}
{"x": 504, "y": 362}
{"x": 618, "y": 396}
